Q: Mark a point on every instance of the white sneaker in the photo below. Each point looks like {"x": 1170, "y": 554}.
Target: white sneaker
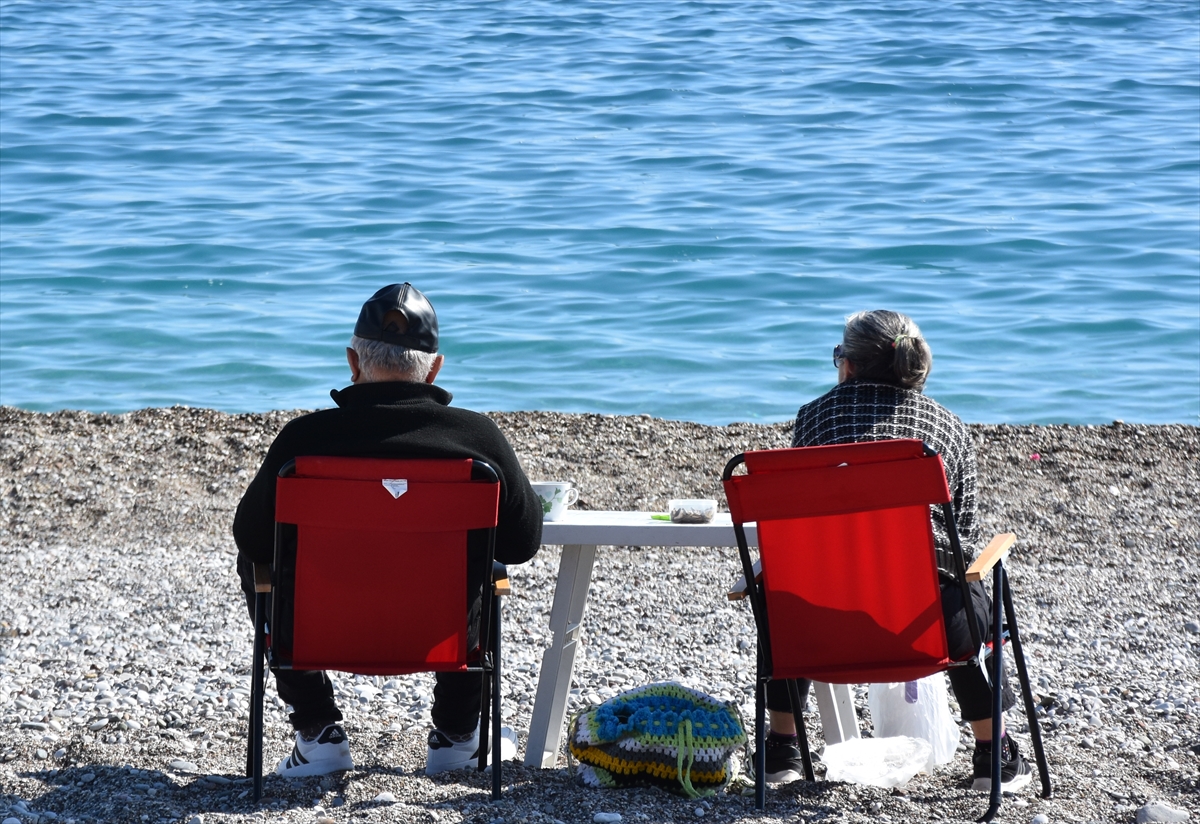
{"x": 444, "y": 755}
{"x": 328, "y": 752}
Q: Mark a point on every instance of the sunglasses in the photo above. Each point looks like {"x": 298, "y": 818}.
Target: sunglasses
{"x": 839, "y": 355}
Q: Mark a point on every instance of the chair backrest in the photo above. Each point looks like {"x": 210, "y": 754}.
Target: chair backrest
{"x": 374, "y": 580}
{"x": 849, "y": 590}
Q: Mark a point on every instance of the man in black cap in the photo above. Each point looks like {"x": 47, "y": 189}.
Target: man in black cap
{"x": 391, "y": 410}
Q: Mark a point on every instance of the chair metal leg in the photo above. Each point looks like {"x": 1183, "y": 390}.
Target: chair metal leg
{"x": 760, "y": 745}
{"x": 997, "y": 690}
{"x": 496, "y": 661}
{"x": 485, "y": 708}
{"x": 250, "y": 730}
{"x": 1035, "y": 729}
{"x": 257, "y": 687}
{"x": 485, "y": 722}
{"x": 801, "y": 731}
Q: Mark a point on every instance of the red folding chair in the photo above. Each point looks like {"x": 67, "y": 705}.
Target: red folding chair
{"x": 387, "y": 541}
{"x": 846, "y": 588}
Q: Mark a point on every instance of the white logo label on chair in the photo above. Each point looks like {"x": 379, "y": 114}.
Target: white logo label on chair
{"x": 396, "y": 486}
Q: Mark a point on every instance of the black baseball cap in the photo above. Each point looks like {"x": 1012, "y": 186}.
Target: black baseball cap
{"x": 421, "y": 332}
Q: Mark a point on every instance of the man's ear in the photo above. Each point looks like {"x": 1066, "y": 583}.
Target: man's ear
{"x": 437, "y": 367}
{"x": 355, "y": 369}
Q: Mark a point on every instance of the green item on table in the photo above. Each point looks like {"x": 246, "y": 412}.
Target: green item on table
{"x": 656, "y": 516}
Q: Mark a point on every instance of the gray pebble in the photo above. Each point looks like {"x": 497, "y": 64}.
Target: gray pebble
{"x": 1156, "y": 811}
{"x": 384, "y": 798}
{"x": 180, "y": 765}
{"x": 87, "y": 778}
{"x": 606, "y": 818}
{"x": 1192, "y": 626}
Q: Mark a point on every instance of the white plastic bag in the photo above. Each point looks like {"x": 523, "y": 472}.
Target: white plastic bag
{"x": 879, "y": 762}
{"x": 917, "y": 709}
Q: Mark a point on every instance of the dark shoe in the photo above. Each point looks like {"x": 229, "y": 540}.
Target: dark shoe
{"x": 1015, "y": 772}
{"x": 784, "y": 763}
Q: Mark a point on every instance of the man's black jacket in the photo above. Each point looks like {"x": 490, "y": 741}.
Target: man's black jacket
{"x": 393, "y": 420}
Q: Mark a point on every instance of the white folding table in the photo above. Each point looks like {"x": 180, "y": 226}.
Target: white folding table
{"x": 579, "y": 533}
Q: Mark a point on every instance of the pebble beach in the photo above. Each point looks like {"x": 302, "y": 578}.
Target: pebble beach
{"x": 125, "y": 645}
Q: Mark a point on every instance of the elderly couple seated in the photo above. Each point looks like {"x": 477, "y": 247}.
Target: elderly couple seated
{"x": 394, "y": 410}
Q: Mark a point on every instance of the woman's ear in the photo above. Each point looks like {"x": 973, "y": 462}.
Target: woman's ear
{"x": 845, "y": 371}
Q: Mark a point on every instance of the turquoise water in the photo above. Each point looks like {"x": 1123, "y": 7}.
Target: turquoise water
{"x": 664, "y": 207}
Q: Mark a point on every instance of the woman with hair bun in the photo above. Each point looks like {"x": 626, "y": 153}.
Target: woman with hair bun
{"x": 883, "y": 362}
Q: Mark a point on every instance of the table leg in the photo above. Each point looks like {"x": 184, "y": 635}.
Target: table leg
{"x": 554, "y": 679}
{"x": 839, "y": 721}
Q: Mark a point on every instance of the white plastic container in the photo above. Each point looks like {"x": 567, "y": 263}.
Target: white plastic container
{"x": 692, "y": 510}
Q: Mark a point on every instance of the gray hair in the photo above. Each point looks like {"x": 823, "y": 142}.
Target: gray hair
{"x": 887, "y": 347}
{"x": 380, "y": 361}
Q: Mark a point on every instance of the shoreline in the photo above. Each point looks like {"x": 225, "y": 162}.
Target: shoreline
{"x": 296, "y": 412}
{"x": 123, "y": 645}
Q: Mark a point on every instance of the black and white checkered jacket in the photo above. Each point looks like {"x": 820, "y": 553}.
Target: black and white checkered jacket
{"x": 859, "y": 411}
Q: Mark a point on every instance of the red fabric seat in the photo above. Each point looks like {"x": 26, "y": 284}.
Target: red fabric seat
{"x": 818, "y": 531}
{"x": 363, "y": 550}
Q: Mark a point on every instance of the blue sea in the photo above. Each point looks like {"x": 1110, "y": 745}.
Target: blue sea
{"x": 630, "y": 206}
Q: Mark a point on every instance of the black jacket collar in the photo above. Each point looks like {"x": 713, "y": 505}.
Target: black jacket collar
{"x": 388, "y": 393}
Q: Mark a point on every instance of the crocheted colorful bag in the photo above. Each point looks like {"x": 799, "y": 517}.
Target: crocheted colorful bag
{"x": 662, "y": 735}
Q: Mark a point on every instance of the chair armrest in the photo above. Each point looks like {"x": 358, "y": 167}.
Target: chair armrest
{"x": 500, "y": 582}
{"x": 995, "y": 551}
{"x": 262, "y": 577}
{"x": 738, "y": 591}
